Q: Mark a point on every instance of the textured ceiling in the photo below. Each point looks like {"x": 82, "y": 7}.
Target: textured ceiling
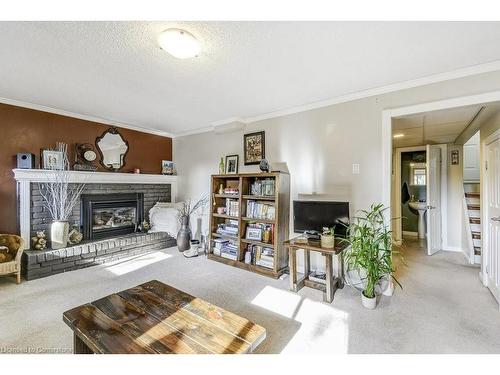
{"x": 116, "y": 71}
{"x": 434, "y": 127}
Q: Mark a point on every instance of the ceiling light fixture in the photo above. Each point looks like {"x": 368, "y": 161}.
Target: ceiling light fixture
{"x": 400, "y": 135}
{"x": 179, "y": 43}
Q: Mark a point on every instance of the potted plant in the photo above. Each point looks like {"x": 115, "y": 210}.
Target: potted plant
{"x": 184, "y": 214}
{"x": 328, "y": 238}
{"x": 371, "y": 251}
{"x": 59, "y": 198}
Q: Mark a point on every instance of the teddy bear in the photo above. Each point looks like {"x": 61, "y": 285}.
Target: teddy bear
{"x": 5, "y": 256}
{"x": 39, "y": 242}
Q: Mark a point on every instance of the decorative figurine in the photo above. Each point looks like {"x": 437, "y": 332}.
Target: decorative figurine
{"x": 145, "y": 226}
{"x": 264, "y": 165}
{"x": 39, "y": 242}
{"x": 75, "y": 236}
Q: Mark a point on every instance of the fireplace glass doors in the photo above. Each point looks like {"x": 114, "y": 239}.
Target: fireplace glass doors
{"x": 108, "y": 215}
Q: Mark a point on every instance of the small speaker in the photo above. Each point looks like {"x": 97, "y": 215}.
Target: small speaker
{"x": 25, "y": 161}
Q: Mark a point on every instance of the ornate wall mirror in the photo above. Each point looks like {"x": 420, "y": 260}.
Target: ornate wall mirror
{"x": 112, "y": 148}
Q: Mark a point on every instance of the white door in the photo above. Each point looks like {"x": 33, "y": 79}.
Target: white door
{"x": 433, "y": 199}
{"x": 492, "y": 180}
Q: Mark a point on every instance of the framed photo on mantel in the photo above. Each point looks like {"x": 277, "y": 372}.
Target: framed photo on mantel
{"x": 254, "y": 148}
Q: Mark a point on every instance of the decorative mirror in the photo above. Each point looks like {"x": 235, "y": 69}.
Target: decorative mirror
{"x": 112, "y": 148}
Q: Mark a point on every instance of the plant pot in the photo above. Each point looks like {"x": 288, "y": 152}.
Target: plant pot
{"x": 184, "y": 235}
{"x": 369, "y": 303}
{"x": 327, "y": 241}
{"x": 59, "y": 231}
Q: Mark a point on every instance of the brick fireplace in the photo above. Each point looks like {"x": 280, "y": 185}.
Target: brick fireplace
{"x": 115, "y": 203}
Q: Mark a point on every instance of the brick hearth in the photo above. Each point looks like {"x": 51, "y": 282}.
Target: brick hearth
{"x": 43, "y": 263}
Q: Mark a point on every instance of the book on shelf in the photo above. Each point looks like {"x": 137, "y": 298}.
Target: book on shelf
{"x": 225, "y": 248}
{"x": 232, "y": 207}
{"x": 260, "y": 210}
{"x": 231, "y": 191}
{"x": 230, "y": 228}
{"x": 260, "y": 255}
{"x": 318, "y": 277}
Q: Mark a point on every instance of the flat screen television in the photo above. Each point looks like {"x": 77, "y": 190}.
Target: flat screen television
{"x": 314, "y": 215}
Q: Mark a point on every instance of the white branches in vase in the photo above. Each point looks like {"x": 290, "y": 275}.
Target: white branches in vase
{"x": 59, "y": 197}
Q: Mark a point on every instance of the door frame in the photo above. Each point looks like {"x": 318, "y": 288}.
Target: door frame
{"x": 390, "y": 113}
{"x": 484, "y": 204}
{"x": 397, "y": 212}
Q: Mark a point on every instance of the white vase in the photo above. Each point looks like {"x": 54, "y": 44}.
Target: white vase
{"x": 59, "y": 231}
{"x": 369, "y": 303}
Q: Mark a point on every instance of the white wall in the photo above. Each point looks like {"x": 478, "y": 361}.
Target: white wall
{"x": 456, "y": 238}
{"x": 320, "y": 145}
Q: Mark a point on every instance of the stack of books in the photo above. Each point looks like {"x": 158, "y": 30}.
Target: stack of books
{"x": 228, "y": 229}
{"x": 231, "y": 190}
{"x": 261, "y": 255}
{"x": 258, "y": 210}
{"x": 232, "y": 207}
{"x": 225, "y": 248}
{"x": 219, "y": 243}
{"x": 229, "y": 250}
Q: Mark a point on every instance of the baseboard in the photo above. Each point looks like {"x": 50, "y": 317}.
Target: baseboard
{"x": 455, "y": 249}
{"x": 410, "y": 234}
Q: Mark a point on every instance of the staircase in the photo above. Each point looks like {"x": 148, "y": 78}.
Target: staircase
{"x": 474, "y": 214}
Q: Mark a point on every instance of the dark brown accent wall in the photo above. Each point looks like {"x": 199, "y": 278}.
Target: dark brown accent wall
{"x": 28, "y": 130}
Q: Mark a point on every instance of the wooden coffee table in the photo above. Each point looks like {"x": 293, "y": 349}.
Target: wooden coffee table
{"x": 156, "y": 318}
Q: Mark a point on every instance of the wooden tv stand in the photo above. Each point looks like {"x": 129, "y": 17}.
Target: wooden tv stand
{"x": 332, "y": 282}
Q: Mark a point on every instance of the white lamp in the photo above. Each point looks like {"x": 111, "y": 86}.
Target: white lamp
{"x": 179, "y": 43}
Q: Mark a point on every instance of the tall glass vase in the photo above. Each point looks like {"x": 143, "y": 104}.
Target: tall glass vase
{"x": 184, "y": 235}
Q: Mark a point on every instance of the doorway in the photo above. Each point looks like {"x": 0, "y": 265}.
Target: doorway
{"x": 485, "y": 117}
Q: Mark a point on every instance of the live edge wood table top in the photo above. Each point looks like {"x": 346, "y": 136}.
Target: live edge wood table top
{"x": 156, "y": 318}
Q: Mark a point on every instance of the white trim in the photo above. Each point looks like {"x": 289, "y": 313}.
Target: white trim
{"x": 39, "y": 107}
{"x": 388, "y": 114}
{"x": 484, "y": 205}
{"x": 427, "y": 80}
{"x": 397, "y": 210}
{"x": 41, "y": 175}
{"x": 454, "y": 74}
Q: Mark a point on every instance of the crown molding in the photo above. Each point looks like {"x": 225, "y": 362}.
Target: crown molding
{"x": 56, "y": 111}
{"x": 423, "y": 81}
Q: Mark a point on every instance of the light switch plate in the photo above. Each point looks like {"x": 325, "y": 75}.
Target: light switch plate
{"x": 355, "y": 169}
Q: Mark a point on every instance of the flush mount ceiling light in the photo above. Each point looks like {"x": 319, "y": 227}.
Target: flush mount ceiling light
{"x": 179, "y": 43}
{"x": 400, "y": 135}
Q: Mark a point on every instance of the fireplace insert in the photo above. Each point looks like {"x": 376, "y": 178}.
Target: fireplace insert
{"x": 108, "y": 215}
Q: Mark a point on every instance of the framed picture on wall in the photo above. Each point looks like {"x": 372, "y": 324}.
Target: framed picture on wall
{"x": 232, "y": 164}
{"x": 254, "y": 148}
{"x": 167, "y": 167}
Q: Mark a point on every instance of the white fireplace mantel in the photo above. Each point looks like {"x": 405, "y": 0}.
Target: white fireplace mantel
{"x": 25, "y": 177}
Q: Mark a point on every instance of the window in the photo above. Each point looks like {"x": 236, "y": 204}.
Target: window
{"x": 419, "y": 176}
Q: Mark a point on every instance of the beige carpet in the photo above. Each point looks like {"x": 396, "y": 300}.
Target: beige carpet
{"x": 442, "y": 309}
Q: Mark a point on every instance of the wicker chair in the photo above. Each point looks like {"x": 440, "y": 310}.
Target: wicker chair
{"x": 15, "y": 244}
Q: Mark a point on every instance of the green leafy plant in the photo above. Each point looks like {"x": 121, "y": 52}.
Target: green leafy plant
{"x": 371, "y": 247}
{"x": 329, "y": 231}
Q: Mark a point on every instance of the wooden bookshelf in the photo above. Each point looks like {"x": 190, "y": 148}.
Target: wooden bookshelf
{"x": 279, "y": 198}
